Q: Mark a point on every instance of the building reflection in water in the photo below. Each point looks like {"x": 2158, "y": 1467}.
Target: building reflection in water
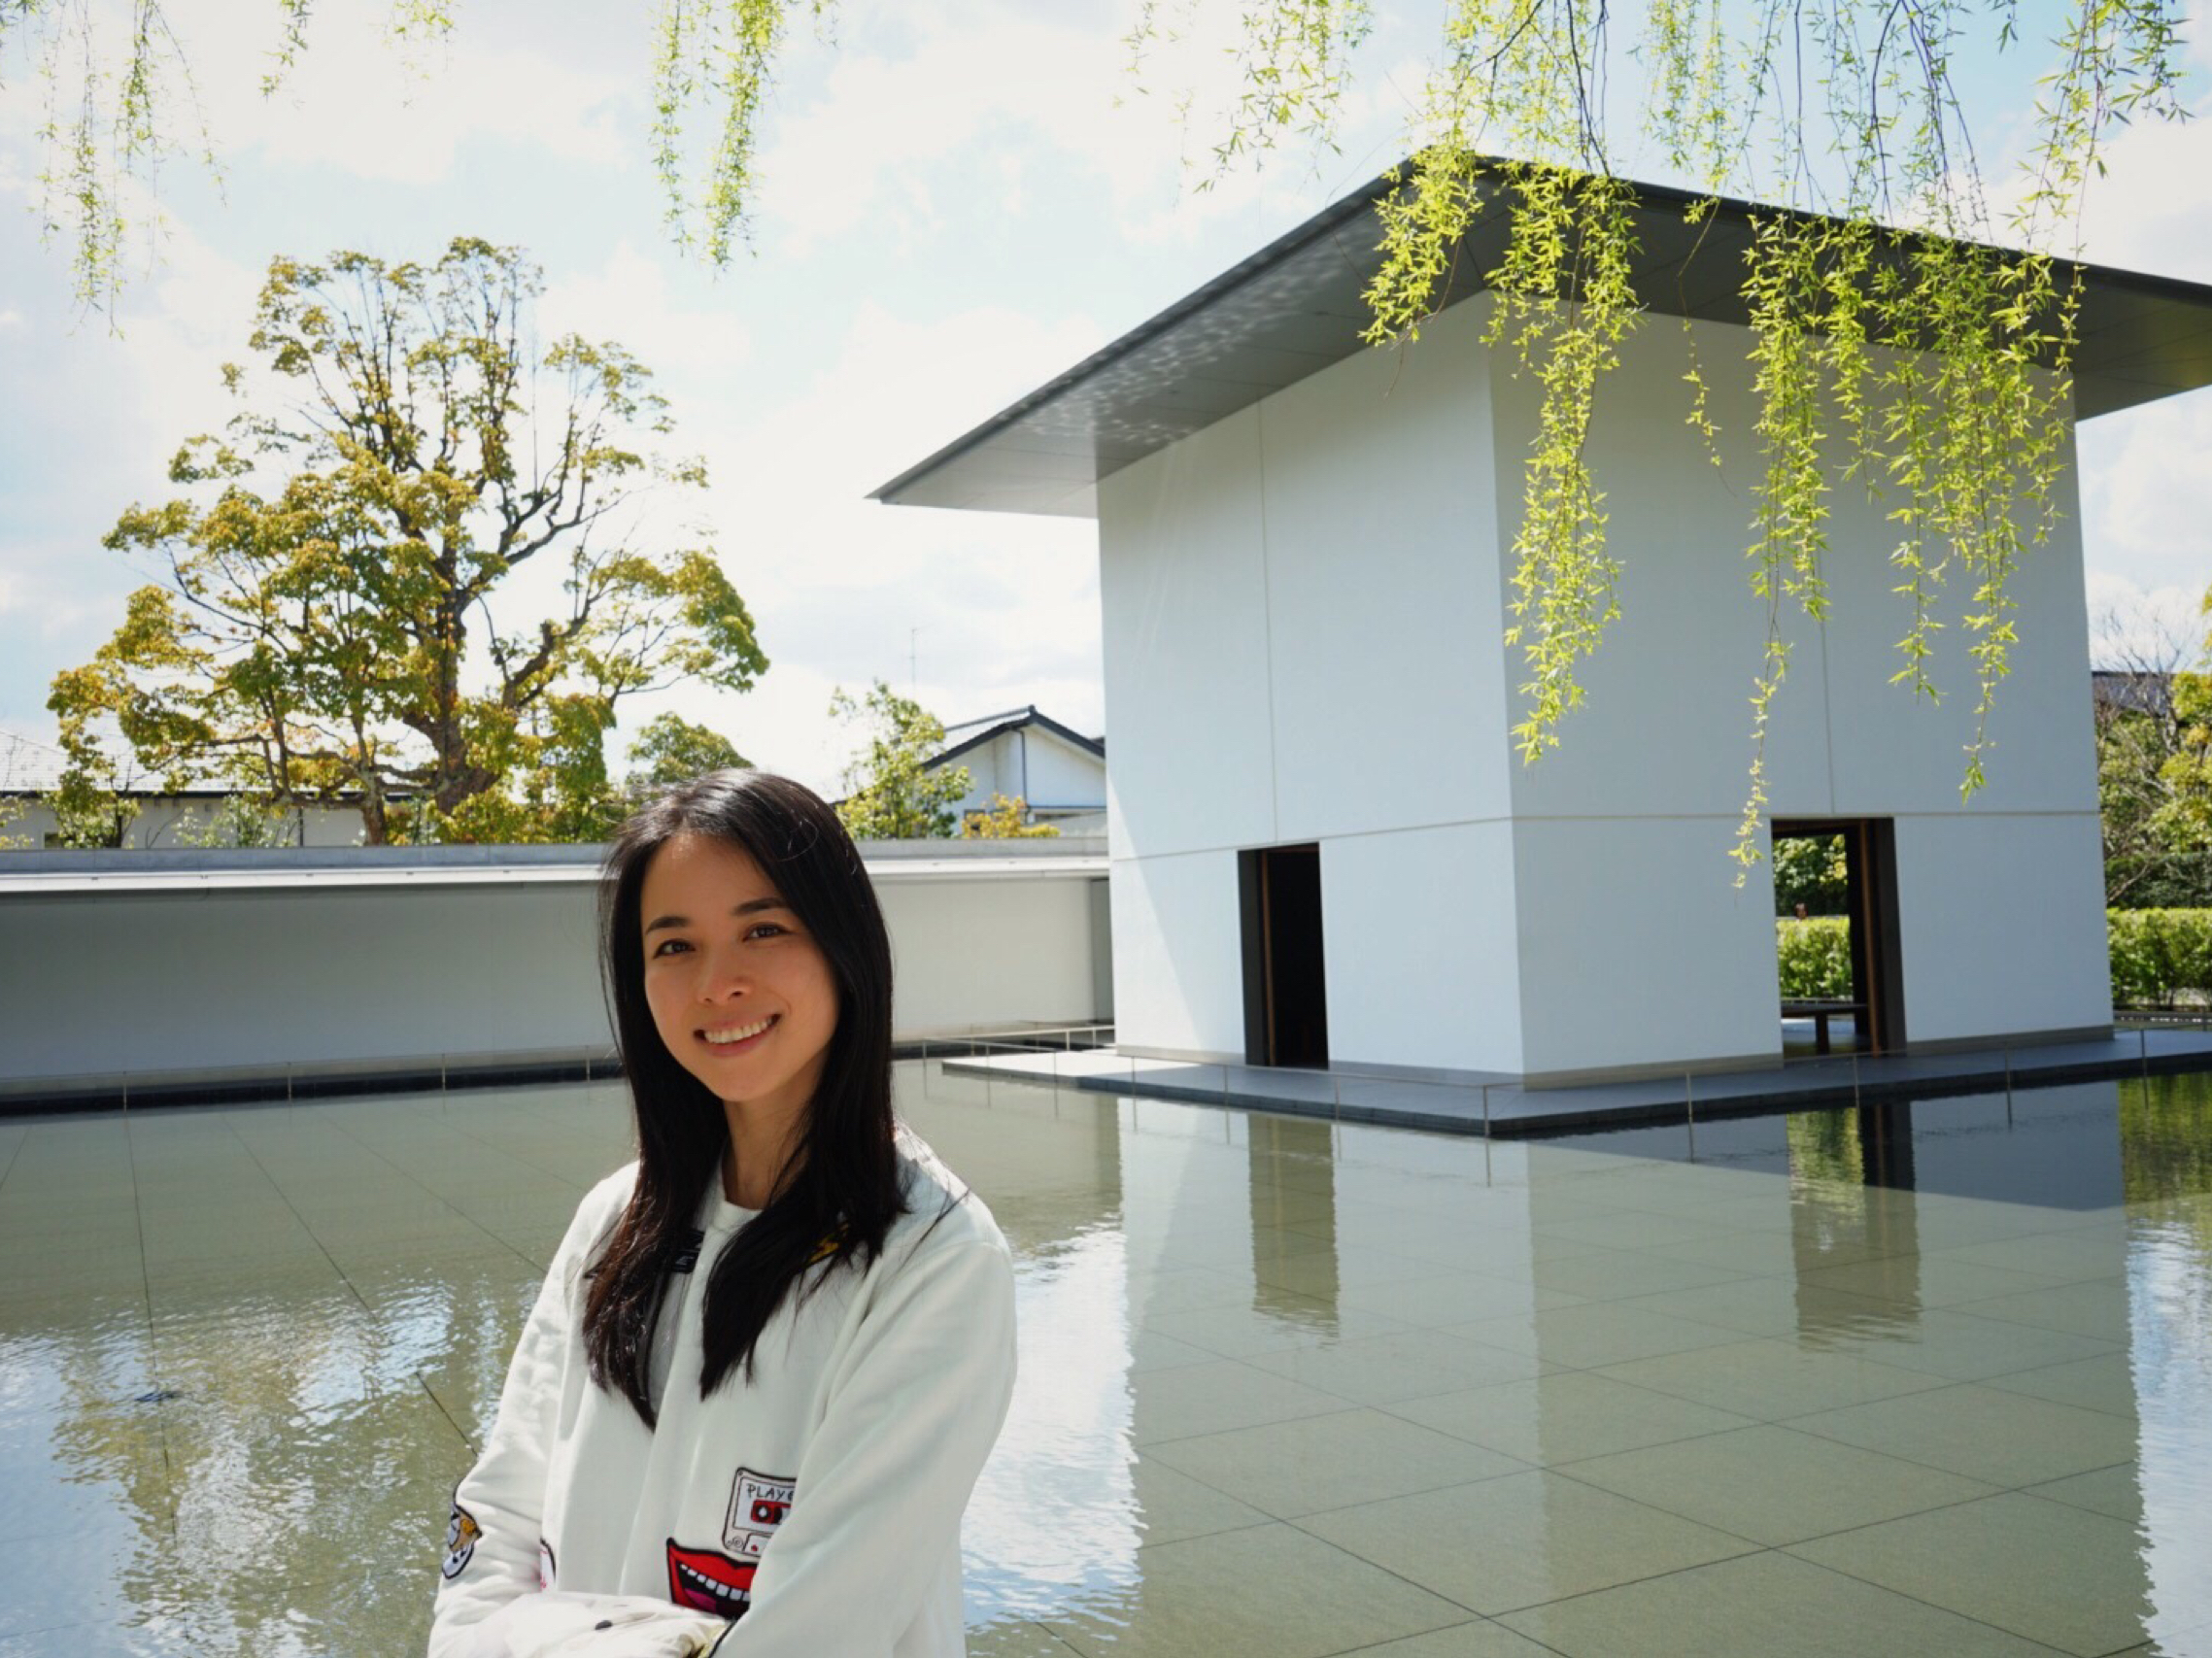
{"x": 1291, "y": 1177}
{"x": 1054, "y": 1519}
{"x": 1852, "y": 1203}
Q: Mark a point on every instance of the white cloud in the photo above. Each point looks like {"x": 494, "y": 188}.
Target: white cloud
{"x": 1006, "y": 607}
{"x": 630, "y": 299}
{"x": 2131, "y": 627}
{"x": 356, "y": 102}
{"x": 2147, "y": 491}
{"x": 970, "y": 98}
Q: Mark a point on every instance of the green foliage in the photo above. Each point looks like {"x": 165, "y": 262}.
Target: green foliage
{"x": 1810, "y": 870}
{"x": 1815, "y": 958}
{"x": 89, "y": 805}
{"x": 2160, "y": 954}
{"x": 239, "y": 821}
{"x": 1917, "y": 364}
{"x": 671, "y": 750}
{"x": 1005, "y": 819}
{"x": 328, "y": 629}
{"x": 890, "y": 794}
{"x": 2153, "y": 767}
{"x": 2166, "y": 1138}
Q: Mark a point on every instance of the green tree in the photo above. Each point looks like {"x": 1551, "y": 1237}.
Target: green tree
{"x": 2154, "y": 765}
{"x": 1809, "y": 870}
{"x": 1843, "y": 114}
{"x": 670, "y": 750}
{"x": 93, "y": 806}
{"x": 328, "y": 626}
{"x": 239, "y": 821}
{"x": 1006, "y": 818}
{"x": 891, "y": 792}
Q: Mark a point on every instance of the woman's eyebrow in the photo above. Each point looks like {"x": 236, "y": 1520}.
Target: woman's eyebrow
{"x": 751, "y": 906}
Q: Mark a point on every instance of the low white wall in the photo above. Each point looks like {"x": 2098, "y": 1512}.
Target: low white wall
{"x": 112, "y": 966}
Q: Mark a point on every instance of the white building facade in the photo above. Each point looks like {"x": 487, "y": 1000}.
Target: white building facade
{"x": 1318, "y": 557}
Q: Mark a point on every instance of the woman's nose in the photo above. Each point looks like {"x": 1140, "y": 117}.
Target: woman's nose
{"x": 724, "y": 977}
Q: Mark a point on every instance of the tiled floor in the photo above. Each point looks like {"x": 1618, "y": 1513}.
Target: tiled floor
{"x": 1936, "y": 1379}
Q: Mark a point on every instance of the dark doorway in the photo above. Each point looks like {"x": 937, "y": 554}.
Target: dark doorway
{"x": 1843, "y": 870}
{"x": 1286, "y": 1004}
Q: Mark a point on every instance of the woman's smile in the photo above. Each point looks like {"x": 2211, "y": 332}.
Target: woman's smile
{"x": 739, "y": 1038}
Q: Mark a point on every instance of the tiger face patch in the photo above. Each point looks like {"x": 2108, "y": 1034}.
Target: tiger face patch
{"x": 461, "y": 1536}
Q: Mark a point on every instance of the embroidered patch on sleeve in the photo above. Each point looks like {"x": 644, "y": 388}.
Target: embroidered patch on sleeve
{"x": 758, "y": 1505}
{"x": 461, "y": 1535}
{"x": 708, "y": 1581}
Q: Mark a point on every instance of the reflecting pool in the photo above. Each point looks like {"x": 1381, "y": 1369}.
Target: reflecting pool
{"x": 1922, "y": 1378}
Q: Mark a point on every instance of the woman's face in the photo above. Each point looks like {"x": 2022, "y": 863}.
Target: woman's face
{"x": 740, "y": 994}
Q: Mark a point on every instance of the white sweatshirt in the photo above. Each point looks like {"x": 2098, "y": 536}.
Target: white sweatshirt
{"x": 818, "y": 1504}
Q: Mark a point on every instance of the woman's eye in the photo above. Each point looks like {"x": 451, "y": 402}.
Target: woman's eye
{"x": 760, "y": 929}
{"x": 667, "y": 945}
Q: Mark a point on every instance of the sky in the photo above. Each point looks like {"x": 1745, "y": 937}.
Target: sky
{"x": 957, "y": 199}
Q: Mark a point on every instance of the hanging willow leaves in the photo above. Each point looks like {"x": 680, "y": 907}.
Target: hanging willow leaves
{"x": 1893, "y": 346}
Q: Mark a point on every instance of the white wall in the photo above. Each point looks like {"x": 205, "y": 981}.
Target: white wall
{"x": 1665, "y": 728}
{"x": 1182, "y": 599}
{"x": 1423, "y": 947}
{"x": 1178, "y": 979}
{"x": 1635, "y": 951}
{"x": 1378, "y": 509}
{"x": 2003, "y": 925}
{"x": 234, "y": 978}
{"x": 1661, "y": 750}
{"x": 989, "y": 951}
{"x": 1303, "y": 607}
{"x": 1267, "y": 681}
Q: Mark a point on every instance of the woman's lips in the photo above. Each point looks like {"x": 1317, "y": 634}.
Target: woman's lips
{"x": 746, "y": 1046}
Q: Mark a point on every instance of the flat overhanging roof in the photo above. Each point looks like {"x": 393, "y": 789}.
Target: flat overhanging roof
{"x": 1295, "y": 307}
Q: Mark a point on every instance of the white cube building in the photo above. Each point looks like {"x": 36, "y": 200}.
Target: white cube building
{"x": 1326, "y": 848}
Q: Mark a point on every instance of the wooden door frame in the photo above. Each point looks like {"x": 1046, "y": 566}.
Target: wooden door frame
{"x": 1870, "y": 858}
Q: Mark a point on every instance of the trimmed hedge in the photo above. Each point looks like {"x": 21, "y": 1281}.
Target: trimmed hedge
{"x": 2157, "y": 955}
{"x": 1815, "y": 956}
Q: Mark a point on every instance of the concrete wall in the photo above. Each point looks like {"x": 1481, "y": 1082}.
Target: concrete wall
{"x": 246, "y": 964}
{"x": 1320, "y": 582}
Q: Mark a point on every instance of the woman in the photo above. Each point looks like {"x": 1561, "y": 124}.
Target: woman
{"x": 770, "y": 1355}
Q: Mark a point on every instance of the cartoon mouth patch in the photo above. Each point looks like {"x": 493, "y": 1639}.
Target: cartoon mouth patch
{"x": 706, "y": 1581}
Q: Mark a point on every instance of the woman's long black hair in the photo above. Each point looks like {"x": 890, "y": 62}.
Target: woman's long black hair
{"x": 843, "y": 1178}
